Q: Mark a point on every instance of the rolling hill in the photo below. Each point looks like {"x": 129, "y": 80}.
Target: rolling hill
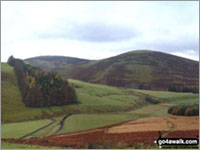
{"x": 142, "y": 69}
{"x": 48, "y": 63}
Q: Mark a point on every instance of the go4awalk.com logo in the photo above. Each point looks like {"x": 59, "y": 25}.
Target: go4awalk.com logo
{"x": 177, "y": 142}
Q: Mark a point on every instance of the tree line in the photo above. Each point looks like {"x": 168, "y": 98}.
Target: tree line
{"x": 173, "y": 88}
{"x": 184, "y": 110}
{"x": 42, "y": 89}
{"x": 183, "y": 89}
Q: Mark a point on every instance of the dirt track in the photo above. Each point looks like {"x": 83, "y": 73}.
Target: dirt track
{"x": 109, "y": 136}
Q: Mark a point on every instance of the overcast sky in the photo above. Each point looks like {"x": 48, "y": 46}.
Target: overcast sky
{"x": 96, "y": 30}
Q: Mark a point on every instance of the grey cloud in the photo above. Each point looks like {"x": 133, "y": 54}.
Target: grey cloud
{"x": 181, "y": 43}
{"x": 94, "y": 33}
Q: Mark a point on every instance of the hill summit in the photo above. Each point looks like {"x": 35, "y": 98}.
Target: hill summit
{"x": 143, "y": 69}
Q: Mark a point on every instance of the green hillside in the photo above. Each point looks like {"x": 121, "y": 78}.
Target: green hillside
{"x": 173, "y": 97}
{"x": 12, "y": 107}
{"x": 91, "y": 97}
{"x": 142, "y": 69}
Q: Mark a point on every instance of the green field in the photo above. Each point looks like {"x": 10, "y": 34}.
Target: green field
{"x": 88, "y": 121}
{"x": 151, "y": 110}
{"x": 173, "y": 97}
{"x": 91, "y": 94}
{"x": 50, "y": 130}
{"x": 5, "y": 145}
{"x": 19, "y": 129}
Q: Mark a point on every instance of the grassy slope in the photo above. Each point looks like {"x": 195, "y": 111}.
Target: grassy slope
{"x": 19, "y": 129}
{"x": 93, "y": 94}
{"x": 93, "y": 98}
{"x": 173, "y": 97}
{"x": 150, "y": 110}
{"x": 12, "y": 107}
{"x": 5, "y": 145}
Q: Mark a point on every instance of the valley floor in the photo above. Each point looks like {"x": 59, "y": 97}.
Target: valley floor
{"x": 126, "y": 134}
{"x": 123, "y": 130}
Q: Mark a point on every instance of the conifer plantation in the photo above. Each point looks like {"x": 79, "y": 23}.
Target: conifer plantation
{"x": 42, "y": 89}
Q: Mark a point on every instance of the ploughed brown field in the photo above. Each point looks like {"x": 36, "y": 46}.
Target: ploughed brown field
{"x": 129, "y": 133}
{"x": 157, "y": 124}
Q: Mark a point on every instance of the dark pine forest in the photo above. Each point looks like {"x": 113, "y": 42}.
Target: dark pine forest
{"x": 42, "y": 89}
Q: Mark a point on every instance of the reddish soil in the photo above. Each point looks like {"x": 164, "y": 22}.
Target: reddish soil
{"x": 99, "y": 136}
{"x": 157, "y": 124}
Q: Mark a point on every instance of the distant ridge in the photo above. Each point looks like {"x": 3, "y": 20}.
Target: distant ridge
{"x": 144, "y": 69}
{"x": 50, "y": 62}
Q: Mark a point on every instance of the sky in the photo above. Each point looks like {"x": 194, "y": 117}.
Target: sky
{"x": 98, "y": 29}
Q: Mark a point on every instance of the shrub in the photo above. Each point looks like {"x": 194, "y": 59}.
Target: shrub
{"x": 152, "y": 100}
{"x": 183, "y": 89}
{"x": 184, "y": 110}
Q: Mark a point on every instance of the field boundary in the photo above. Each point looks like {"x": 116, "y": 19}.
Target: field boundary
{"x": 62, "y": 123}
{"x": 24, "y": 136}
